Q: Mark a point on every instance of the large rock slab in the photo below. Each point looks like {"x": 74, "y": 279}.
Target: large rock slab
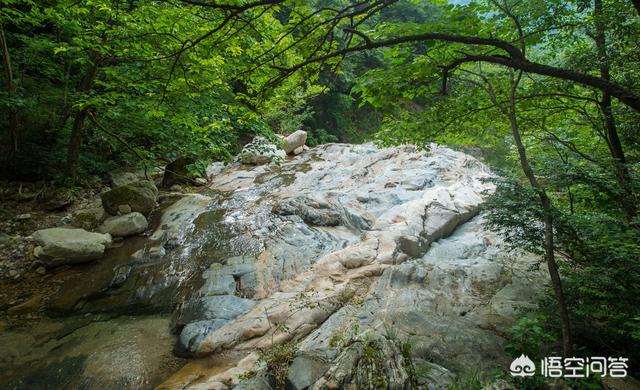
{"x": 59, "y": 246}
{"x": 393, "y": 251}
{"x": 136, "y": 197}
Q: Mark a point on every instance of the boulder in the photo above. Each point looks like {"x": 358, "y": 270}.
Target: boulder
{"x": 176, "y": 172}
{"x": 207, "y": 315}
{"x": 58, "y": 246}
{"x": 124, "y": 225}
{"x": 260, "y": 151}
{"x": 88, "y": 219}
{"x": 119, "y": 179}
{"x": 139, "y": 196}
{"x": 294, "y": 141}
{"x": 57, "y": 200}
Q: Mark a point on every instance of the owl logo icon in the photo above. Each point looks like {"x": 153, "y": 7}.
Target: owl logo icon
{"x": 522, "y": 366}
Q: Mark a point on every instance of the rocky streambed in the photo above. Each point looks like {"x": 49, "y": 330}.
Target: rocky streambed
{"x": 346, "y": 265}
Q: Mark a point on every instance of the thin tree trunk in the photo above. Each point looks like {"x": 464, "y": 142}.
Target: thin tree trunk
{"x": 545, "y": 202}
{"x": 613, "y": 140}
{"x": 77, "y": 130}
{"x": 64, "y": 116}
{"x": 11, "y": 89}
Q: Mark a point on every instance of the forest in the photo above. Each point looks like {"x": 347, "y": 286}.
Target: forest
{"x": 546, "y": 93}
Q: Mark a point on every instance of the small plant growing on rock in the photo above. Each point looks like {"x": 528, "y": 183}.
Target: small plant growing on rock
{"x": 277, "y": 359}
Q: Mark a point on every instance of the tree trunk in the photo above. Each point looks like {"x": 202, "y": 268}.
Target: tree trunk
{"x": 11, "y": 89}
{"x": 545, "y": 202}
{"x": 613, "y": 140}
{"x": 75, "y": 142}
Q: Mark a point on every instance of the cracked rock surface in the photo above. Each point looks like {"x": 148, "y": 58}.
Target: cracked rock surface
{"x": 355, "y": 243}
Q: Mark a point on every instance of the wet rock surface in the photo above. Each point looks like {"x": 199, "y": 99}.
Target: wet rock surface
{"x": 345, "y": 251}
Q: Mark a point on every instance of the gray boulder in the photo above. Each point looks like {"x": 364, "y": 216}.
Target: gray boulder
{"x": 207, "y": 315}
{"x": 260, "y": 151}
{"x": 88, "y": 219}
{"x": 304, "y": 371}
{"x": 177, "y": 172}
{"x": 124, "y": 225}
{"x": 119, "y": 178}
{"x": 294, "y": 141}
{"x": 59, "y": 246}
{"x": 139, "y": 196}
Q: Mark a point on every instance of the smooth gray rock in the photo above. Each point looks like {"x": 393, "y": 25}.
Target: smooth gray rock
{"x": 206, "y": 315}
{"x": 60, "y": 246}
{"x": 124, "y": 225}
{"x": 294, "y": 141}
{"x": 193, "y": 333}
{"x": 304, "y": 371}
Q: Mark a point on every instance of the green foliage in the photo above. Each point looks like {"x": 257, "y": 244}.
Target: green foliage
{"x": 277, "y": 359}
{"x": 468, "y": 380}
{"x": 529, "y": 336}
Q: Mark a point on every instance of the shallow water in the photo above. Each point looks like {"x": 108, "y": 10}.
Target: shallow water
{"x": 109, "y": 324}
{"x": 88, "y": 352}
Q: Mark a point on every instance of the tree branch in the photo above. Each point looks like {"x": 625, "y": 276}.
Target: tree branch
{"x": 515, "y": 60}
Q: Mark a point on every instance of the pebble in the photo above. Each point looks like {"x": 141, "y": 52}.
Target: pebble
{"x": 23, "y": 217}
{"x": 41, "y": 270}
{"x": 13, "y": 273}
